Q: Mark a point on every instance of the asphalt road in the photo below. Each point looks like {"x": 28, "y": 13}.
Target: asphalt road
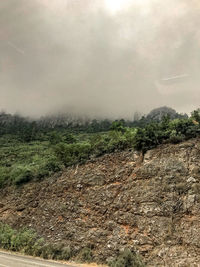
{"x": 12, "y": 260}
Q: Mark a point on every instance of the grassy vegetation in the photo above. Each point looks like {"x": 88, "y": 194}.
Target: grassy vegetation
{"x": 127, "y": 258}
{"x": 41, "y": 152}
{"x": 21, "y": 162}
{"x": 26, "y": 241}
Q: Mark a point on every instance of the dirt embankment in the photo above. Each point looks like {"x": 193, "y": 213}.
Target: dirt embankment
{"x": 117, "y": 201}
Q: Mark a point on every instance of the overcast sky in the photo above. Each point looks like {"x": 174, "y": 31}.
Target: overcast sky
{"x": 105, "y": 58}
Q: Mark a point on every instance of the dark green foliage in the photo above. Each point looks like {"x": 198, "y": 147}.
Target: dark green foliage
{"x": 21, "y": 162}
{"x": 27, "y": 241}
{"x": 185, "y": 127}
{"x": 119, "y": 140}
{"x": 97, "y": 126}
{"x": 24, "y": 129}
{"x": 118, "y": 126}
{"x": 148, "y": 137}
{"x": 71, "y": 154}
{"x": 96, "y": 145}
{"x": 112, "y": 141}
{"x": 99, "y": 144}
{"x": 69, "y": 138}
{"x": 54, "y": 138}
{"x": 196, "y": 115}
{"x": 4, "y": 176}
{"x": 171, "y": 131}
{"x": 21, "y": 175}
{"x": 52, "y": 164}
{"x": 127, "y": 259}
{"x": 24, "y": 240}
{"x": 175, "y": 138}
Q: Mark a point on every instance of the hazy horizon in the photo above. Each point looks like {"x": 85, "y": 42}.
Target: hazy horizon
{"x": 99, "y": 58}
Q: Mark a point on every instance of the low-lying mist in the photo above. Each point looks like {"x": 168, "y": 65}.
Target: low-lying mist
{"x": 98, "y": 58}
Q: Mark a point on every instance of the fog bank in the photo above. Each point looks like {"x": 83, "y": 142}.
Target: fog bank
{"x": 99, "y": 58}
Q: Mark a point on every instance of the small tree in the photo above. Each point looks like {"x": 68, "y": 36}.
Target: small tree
{"x": 196, "y": 115}
{"x": 118, "y": 126}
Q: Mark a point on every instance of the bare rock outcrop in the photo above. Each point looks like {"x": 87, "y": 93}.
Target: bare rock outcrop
{"x": 115, "y": 202}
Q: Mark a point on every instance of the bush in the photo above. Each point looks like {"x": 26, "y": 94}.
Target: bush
{"x": 85, "y": 255}
{"x": 196, "y": 115}
{"x": 147, "y": 138}
{"x": 26, "y": 241}
{"x": 4, "y": 176}
{"x": 54, "y": 138}
{"x": 21, "y": 175}
{"x": 117, "y": 141}
{"x": 127, "y": 259}
{"x": 173, "y": 131}
{"x": 118, "y": 126}
{"x": 6, "y": 233}
{"x": 66, "y": 254}
{"x": 23, "y": 241}
{"x": 69, "y": 138}
{"x": 71, "y": 154}
{"x": 99, "y": 144}
{"x": 52, "y": 164}
{"x": 175, "y": 138}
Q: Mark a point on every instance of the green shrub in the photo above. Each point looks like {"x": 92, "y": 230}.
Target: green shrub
{"x": 54, "y": 138}
{"x": 127, "y": 259}
{"x": 4, "y": 176}
{"x": 184, "y": 127}
{"x": 85, "y": 255}
{"x": 53, "y": 164}
{"x": 21, "y": 175}
{"x": 6, "y": 233}
{"x": 69, "y": 138}
{"x": 71, "y": 154}
{"x": 146, "y": 138}
{"x": 56, "y": 252}
{"x": 171, "y": 131}
{"x": 23, "y": 241}
{"x": 175, "y": 138}
{"x": 26, "y": 241}
{"x": 66, "y": 254}
{"x": 50, "y": 251}
{"x": 196, "y": 115}
{"x": 99, "y": 144}
{"x": 118, "y": 126}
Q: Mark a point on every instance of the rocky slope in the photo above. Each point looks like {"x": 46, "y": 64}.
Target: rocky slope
{"x": 119, "y": 200}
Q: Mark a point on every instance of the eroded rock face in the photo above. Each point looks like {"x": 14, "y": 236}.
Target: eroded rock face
{"x": 116, "y": 201}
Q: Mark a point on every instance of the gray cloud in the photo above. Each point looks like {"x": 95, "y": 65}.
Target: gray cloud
{"x": 76, "y": 56}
